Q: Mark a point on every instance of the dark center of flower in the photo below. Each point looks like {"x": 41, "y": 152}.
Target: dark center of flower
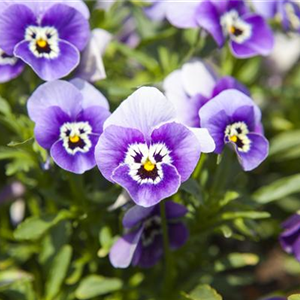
{"x": 75, "y": 137}
{"x": 152, "y": 228}
{"x": 42, "y": 46}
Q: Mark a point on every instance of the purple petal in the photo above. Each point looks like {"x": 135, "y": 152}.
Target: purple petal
{"x": 157, "y": 11}
{"x": 112, "y": 147}
{"x": 9, "y": 72}
{"x": 122, "y": 252}
{"x": 216, "y": 126}
{"x": 183, "y": 146}
{"x": 175, "y": 210}
{"x": 261, "y": 41}
{"x": 13, "y": 23}
{"x": 71, "y": 24}
{"x": 183, "y": 14}
{"x": 55, "y": 93}
{"x": 178, "y": 235}
{"x": 198, "y": 78}
{"x": 294, "y": 220}
{"x": 245, "y": 114}
{"x": 228, "y": 101}
{"x": 258, "y": 152}
{"x": 143, "y": 110}
{"x": 47, "y": 128}
{"x": 91, "y": 66}
{"x": 135, "y": 215}
{"x": 91, "y": 96}
{"x": 96, "y": 116}
{"x": 148, "y": 194}
{"x": 265, "y": 8}
{"x": 208, "y": 17}
{"x": 50, "y": 69}
{"x": 77, "y": 163}
{"x": 227, "y": 83}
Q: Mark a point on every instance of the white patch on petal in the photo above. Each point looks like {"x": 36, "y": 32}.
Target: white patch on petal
{"x": 145, "y": 163}
{"x": 75, "y": 137}
{"x": 43, "y": 41}
{"x": 236, "y": 28}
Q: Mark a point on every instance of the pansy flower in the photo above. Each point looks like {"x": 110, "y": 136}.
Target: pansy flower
{"x": 248, "y": 33}
{"x": 68, "y": 120}
{"x": 157, "y": 10}
{"x": 46, "y": 35}
{"x": 10, "y": 67}
{"x": 233, "y": 118}
{"x": 146, "y": 151}
{"x": 290, "y": 237}
{"x": 287, "y": 11}
{"x": 142, "y": 245}
{"x": 193, "y": 86}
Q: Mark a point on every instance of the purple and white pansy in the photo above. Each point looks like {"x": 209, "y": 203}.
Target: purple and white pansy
{"x": 193, "y": 86}
{"x": 233, "y": 118}
{"x": 69, "y": 119}
{"x": 248, "y": 33}
{"x": 146, "y": 151}
{"x": 10, "y": 67}
{"x": 142, "y": 245}
{"x": 46, "y": 35}
{"x": 286, "y": 11}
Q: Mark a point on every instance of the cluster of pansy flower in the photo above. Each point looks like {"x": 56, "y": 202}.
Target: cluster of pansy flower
{"x": 152, "y": 142}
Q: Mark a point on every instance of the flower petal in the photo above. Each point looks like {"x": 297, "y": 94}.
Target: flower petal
{"x": 258, "y": 152}
{"x": 55, "y": 93}
{"x": 178, "y": 235}
{"x": 175, "y": 210}
{"x": 122, "y": 252}
{"x": 91, "y": 95}
{"x": 78, "y": 163}
{"x": 207, "y": 144}
{"x": 183, "y": 14}
{"x": 47, "y": 128}
{"x": 198, "y": 78}
{"x": 143, "y": 110}
{"x": 148, "y": 194}
{"x": 112, "y": 147}
{"x": 135, "y": 215}
{"x": 183, "y": 146}
{"x": 9, "y": 72}
{"x": 50, "y": 69}
{"x": 71, "y": 24}
{"x": 13, "y": 22}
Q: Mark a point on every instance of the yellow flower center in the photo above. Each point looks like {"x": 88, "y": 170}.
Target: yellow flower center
{"x": 233, "y": 138}
{"x": 149, "y": 166}
{"x": 41, "y": 43}
{"x": 74, "y": 139}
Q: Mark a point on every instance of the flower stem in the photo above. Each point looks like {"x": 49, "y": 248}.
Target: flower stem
{"x": 168, "y": 259}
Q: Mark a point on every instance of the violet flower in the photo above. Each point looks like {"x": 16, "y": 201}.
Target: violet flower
{"x": 68, "y": 120}
{"x": 45, "y": 34}
{"x": 143, "y": 244}
{"x": 248, "y": 33}
{"x": 290, "y": 238}
{"x": 193, "y": 86}
{"x": 233, "y": 118}
{"x": 287, "y": 11}
{"x": 10, "y": 67}
{"x": 158, "y": 9}
{"x": 146, "y": 151}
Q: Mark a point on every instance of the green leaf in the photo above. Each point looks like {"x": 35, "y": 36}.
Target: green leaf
{"x": 192, "y": 187}
{"x": 35, "y": 227}
{"x": 58, "y": 272}
{"x": 245, "y": 214}
{"x": 294, "y": 297}
{"x": 236, "y": 260}
{"x": 278, "y": 189}
{"x": 203, "y": 292}
{"x": 94, "y": 285}
{"x": 284, "y": 141}
{"x": 5, "y": 108}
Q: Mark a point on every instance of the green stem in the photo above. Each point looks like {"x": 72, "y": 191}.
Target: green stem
{"x": 168, "y": 259}
{"x": 199, "y": 166}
